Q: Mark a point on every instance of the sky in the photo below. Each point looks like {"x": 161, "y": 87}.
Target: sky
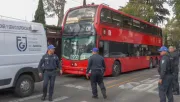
{"x": 25, "y": 9}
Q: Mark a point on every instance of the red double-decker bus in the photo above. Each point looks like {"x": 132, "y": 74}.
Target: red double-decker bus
{"x": 126, "y": 42}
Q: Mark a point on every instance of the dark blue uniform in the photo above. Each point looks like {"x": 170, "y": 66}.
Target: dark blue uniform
{"x": 97, "y": 67}
{"x": 48, "y": 66}
{"x": 165, "y": 89}
{"x": 175, "y": 65}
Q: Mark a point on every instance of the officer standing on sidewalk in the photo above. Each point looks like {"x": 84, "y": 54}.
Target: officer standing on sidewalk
{"x": 166, "y": 77}
{"x": 97, "y": 66}
{"x": 174, "y": 55}
{"x": 50, "y": 63}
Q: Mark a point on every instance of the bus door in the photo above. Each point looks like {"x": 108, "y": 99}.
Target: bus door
{"x": 104, "y": 51}
{"x": 134, "y": 56}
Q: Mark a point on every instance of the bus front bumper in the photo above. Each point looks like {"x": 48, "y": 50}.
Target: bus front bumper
{"x": 74, "y": 70}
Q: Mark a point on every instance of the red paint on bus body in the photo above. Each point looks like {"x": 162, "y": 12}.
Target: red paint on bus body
{"x": 118, "y": 35}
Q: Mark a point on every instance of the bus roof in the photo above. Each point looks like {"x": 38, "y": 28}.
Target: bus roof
{"x": 128, "y": 15}
{"x": 123, "y": 13}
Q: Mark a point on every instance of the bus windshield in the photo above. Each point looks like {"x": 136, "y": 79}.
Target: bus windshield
{"x": 80, "y": 20}
{"x": 78, "y": 48}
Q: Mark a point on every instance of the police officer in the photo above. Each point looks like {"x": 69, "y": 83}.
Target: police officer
{"x": 47, "y": 67}
{"x": 175, "y": 59}
{"x": 97, "y": 67}
{"x": 166, "y": 77}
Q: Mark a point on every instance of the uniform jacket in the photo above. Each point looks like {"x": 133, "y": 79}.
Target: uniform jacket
{"x": 165, "y": 68}
{"x": 96, "y": 62}
{"x": 175, "y": 61}
{"x": 49, "y": 62}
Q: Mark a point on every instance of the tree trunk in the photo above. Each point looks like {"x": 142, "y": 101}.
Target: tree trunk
{"x": 84, "y": 2}
{"x": 60, "y": 17}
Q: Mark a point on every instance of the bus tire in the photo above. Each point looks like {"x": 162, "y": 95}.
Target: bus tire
{"x": 116, "y": 69}
{"x": 151, "y": 63}
{"x": 24, "y": 86}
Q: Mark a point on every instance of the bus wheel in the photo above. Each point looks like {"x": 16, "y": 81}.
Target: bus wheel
{"x": 151, "y": 63}
{"x": 116, "y": 69}
{"x": 24, "y": 86}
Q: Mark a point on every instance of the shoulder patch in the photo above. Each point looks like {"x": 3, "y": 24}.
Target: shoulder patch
{"x": 55, "y": 57}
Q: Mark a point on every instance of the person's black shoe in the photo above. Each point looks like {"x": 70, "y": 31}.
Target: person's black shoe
{"x": 50, "y": 99}
{"x": 105, "y": 96}
{"x": 95, "y": 97}
{"x": 43, "y": 98}
{"x": 175, "y": 93}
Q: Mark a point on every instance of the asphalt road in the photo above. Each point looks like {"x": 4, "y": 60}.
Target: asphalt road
{"x": 137, "y": 86}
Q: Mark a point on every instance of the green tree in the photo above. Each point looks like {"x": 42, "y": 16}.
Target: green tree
{"x": 55, "y": 8}
{"x": 142, "y": 11}
{"x": 176, "y": 8}
{"x": 150, "y": 10}
{"x": 165, "y": 36}
{"x": 40, "y": 13}
{"x": 173, "y": 32}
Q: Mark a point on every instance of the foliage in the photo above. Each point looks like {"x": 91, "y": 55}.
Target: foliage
{"x": 173, "y": 32}
{"x": 150, "y": 10}
{"x": 40, "y": 13}
{"x": 176, "y": 8}
{"x": 139, "y": 10}
{"x": 55, "y": 7}
{"x": 165, "y": 37}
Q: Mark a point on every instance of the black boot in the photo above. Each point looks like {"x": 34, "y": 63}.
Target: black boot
{"x": 43, "y": 98}
{"x": 50, "y": 98}
{"x": 105, "y": 96}
{"x": 175, "y": 93}
{"x": 95, "y": 97}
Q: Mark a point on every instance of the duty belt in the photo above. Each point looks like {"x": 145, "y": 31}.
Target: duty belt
{"x": 50, "y": 70}
{"x": 97, "y": 69}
